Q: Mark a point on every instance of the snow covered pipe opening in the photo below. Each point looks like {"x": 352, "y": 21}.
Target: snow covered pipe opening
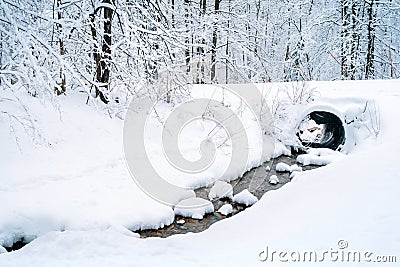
{"x": 321, "y": 129}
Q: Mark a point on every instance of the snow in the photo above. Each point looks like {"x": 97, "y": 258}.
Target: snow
{"x": 2, "y": 250}
{"x": 181, "y": 221}
{"x": 199, "y": 143}
{"x": 293, "y": 174}
{"x": 76, "y": 180}
{"x": 311, "y": 131}
{"x": 281, "y": 150}
{"x": 78, "y": 199}
{"x": 283, "y": 167}
{"x": 273, "y": 180}
{"x": 268, "y": 168}
{"x": 221, "y": 189}
{"x": 319, "y": 156}
{"x": 194, "y": 208}
{"x": 226, "y": 209}
{"x": 105, "y": 5}
{"x": 76, "y": 175}
{"x": 245, "y": 198}
{"x": 295, "y": 168}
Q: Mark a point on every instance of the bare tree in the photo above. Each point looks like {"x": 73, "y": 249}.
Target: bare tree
{"x": 369, "y": 66}
{"x": 214, "y": 43}
{"x": 62, "y": 49}
{"x": 102, "y": 46}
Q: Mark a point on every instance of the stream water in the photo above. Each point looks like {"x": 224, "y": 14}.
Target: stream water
{"x": 256, "y": 180}
{"x": 257, "y": 176}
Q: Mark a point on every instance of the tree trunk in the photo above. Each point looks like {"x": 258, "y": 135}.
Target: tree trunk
{"x": 214, "y": 44}
{"x": 102, "y": 59}
{"x": 62, "y": 52}
{"x": 227, "y": 46}
{"x": 353, "y": 39}
{"x": 287, "y": 70}
{"x": 106, "y": 47}
{"x": 369, "y": 68}
{"x": 187, "y": 41}
{"x": 344, "y": 37}
{"x": 201, "y": 53}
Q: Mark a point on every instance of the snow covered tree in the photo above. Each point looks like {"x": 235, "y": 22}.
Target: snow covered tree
{"x": 113, "y": 50}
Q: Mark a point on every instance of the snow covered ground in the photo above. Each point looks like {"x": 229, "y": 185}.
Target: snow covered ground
{"x": 78, "y": 199}
{"x": 77, "y": 179}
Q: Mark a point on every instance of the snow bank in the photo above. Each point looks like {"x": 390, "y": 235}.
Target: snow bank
{"x": 281, "y": 150}
{"x": 293, "y": 174}
{"x": 76, "y": 180}
{"x": 245, "y": 198}
{"x": 319, "y": 156}
{"x": 75, "y": 177}
{"x": 194, "y": 208}
{"x": 207, "y": 130}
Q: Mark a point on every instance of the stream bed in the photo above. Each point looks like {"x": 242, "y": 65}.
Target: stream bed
{"x": 255, "y": 180}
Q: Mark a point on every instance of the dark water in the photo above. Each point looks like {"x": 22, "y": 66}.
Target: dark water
{"x": 255, "y": 180}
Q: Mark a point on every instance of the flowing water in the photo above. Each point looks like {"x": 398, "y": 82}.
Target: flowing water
{"x": 256, "y": 180}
